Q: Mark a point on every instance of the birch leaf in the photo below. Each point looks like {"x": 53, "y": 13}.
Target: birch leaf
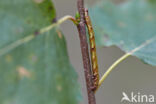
{"x": 128, "y": 25}
{"x": 37, "y": 71}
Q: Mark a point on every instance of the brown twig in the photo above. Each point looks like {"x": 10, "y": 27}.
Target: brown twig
{"x": 85, "y": 53}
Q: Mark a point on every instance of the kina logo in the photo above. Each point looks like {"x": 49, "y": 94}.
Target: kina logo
{"x": 138, "y": 98}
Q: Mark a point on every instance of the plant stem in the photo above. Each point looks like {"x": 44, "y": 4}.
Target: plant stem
{"x": 85, "y": 53}
{"x": 112, "y": 67}
{"x": 32, "y": 36}
{"x": 63, "y": 19}
{"x": 147, "y": 42}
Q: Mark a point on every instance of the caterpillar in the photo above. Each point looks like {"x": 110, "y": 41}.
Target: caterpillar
{"x": 94, "y": 61}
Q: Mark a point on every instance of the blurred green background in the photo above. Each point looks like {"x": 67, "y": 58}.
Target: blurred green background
{"x": 132, "y": 75}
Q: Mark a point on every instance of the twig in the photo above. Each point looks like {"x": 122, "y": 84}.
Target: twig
{"x": 85, "y": 53}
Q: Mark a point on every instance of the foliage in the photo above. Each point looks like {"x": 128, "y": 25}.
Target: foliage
{"x": 129, "y": 25}
{"x": 38, "y": 71}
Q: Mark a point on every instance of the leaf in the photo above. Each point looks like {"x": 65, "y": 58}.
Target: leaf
{"x": 128, "y": 25}
{"x": 39, "y": 71}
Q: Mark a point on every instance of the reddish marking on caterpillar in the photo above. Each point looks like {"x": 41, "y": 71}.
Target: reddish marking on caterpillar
{"x": 94, "y": 62}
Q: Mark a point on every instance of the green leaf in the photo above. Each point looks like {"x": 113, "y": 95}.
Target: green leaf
{"x": 128, "y": 25}
{"x": 38, "y": 71}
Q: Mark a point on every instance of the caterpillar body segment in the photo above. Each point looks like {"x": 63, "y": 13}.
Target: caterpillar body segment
{"x": 92, "y": 50}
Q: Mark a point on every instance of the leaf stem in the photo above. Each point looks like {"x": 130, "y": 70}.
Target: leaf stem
{"x": 113, "y": 67}
{"x": 110, "y": 69}
{"x": 63, "y": 19}
{"x": 32, "y": 36}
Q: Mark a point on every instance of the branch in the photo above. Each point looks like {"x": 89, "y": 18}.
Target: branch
{"x": 85, "y": 53}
